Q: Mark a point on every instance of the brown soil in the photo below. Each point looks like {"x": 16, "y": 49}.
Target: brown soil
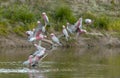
{"x": 85, "y": 40}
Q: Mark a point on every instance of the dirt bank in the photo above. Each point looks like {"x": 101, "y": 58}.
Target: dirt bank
{"x": 84, "y": 40}
{"x": 98, "y": 40}
{"x": 14, "y": 41}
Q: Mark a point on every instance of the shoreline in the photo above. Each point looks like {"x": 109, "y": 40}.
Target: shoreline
{"x": 84, "y": 40}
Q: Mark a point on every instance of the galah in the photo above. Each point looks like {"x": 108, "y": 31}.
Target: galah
{"x": 34, "y": 58}
{"x": 88, "y": 21}
{"x": 29, "y": 34}
{"x": 78, "y": 24}
{"x": 55, "y": 39}
{"x": 30, "y": 61}
{"x": 38, "y": 29}
{"x": 45, "y": 17}
{"x": 65, "y": 33}
{"x": 43, "y": 29}
{"x": 82, "y": 31}
{"x": 39, "y": 37}
{"x": 71, "y": 28}
{"x": 39, "y": 47}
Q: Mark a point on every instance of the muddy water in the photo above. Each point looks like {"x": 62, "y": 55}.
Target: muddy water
{"x": 62, "y": 63}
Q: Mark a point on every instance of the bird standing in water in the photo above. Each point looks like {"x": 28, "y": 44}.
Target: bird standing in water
{"x": 33, "y": 59}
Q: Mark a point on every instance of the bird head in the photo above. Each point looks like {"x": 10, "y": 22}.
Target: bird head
{"x": 30, "y": 56}
{"x": 27, "y": 33}
{"x": 68, "y": 23}
{"x": 38, "y": 22}
{"x": 43, "y": 13}
{"x": 45, "y": 36}
{"x": 52, "y": 34}
{"x": 63, "y": 26}
{"x": 35, "y": 45}
{"x": 33, "y": 29}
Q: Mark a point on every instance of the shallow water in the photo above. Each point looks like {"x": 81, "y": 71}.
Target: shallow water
{"x": 62, "y": 63}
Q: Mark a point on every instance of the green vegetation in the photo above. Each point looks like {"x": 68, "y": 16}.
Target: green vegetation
{"x": 3, "y": 30}
{"x": 19, "y": 13}
{"x": 102, "y": 22}
{"x": 114, "y": 25}
{"x": 19, "y": 30}
{"x": 63, "y": 14}
{"x": 18, "y": 16}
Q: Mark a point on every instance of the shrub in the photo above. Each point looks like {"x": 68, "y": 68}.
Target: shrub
{"x": 19, "y": 30}
{"x": 30, "y": 26}
{"x": 19, "y": 13}
{"x": 114, "y": 25}
{"x": 3, "y": 30}
{"x": 64, "y": 13}
{"x": 102, "y": 22}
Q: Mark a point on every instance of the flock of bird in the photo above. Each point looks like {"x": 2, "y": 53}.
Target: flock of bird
{"x": 38, "y": 34}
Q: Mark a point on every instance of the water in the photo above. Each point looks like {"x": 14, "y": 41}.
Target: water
{"x": 62, "y": 63}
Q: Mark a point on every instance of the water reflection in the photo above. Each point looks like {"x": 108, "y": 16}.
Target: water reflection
{"x": 33, "y": 74}
{"x": 62, "y": 63}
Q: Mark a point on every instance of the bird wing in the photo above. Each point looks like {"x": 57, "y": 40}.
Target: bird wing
{"x": 78, "y": 24}
{"x": 55, "y": 39}
{"x": 65, "y": 32}
{"x": 47, "y": 19}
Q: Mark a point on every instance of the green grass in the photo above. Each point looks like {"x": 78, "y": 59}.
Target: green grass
{"x": 63, "y": 14}
{"x": 19, "y": 30}
{"x": 3, "y": 30}
{"x": 102, "y": 22}
{"x": 114, "y": 25}
{"x": 19, "y": 13}
{"x": 19, "y": 17}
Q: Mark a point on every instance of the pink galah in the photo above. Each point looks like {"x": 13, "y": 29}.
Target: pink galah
{"x": 79, "y": 27}
{"x": 40, "y": 51}
{"x": 88, "y": 21}
{"x": 71, "y": 28}
{"x": 39, "y": 37}
{"x": 40, "y": 29}
{"x": 78, "y": 24}
{"x": 55, "y": 39}
{"x": 29, "y": 34}
{"x": 34, "y": 58}
{"x": 82, "y": 31}
{"x": 30, "y": 59}
{"x": 65, "y": 33}
{"x": 39, "y": 55}
{"x": 45, "y": 17}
